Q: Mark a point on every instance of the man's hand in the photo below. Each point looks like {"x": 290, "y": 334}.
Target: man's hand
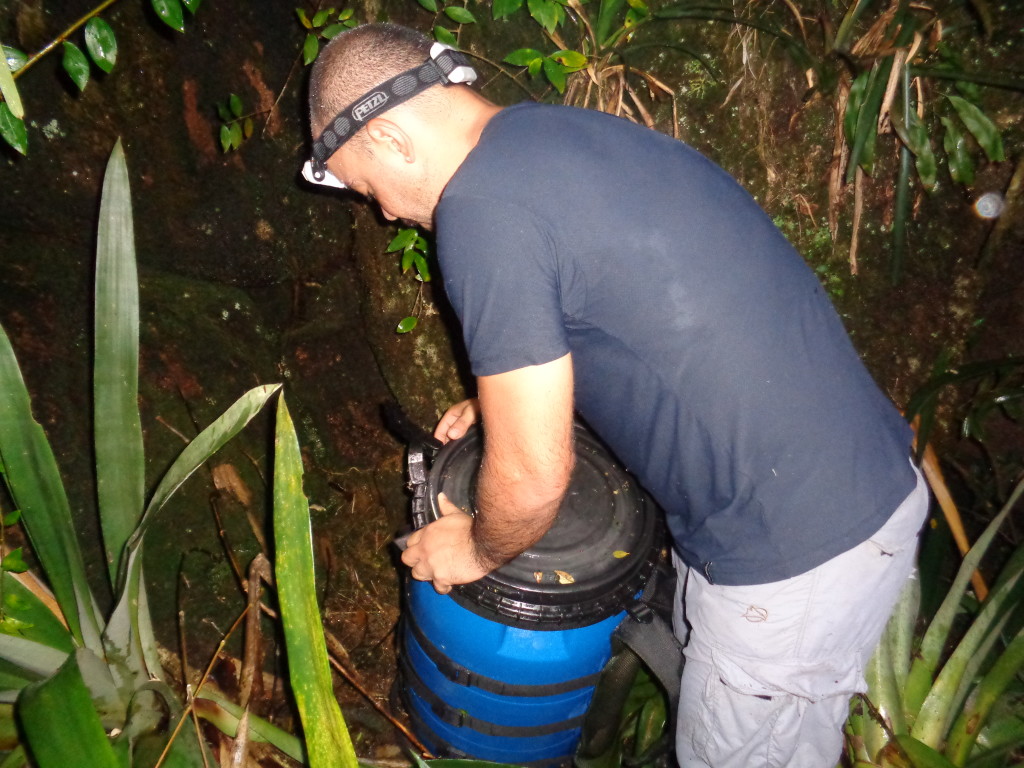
{"x": 457, "y": 420}
{"x": 444, "y": 551}
{"x": 525, "y": 471}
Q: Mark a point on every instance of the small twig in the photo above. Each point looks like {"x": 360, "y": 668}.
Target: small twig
{"x": 202, "y": 681}
{"x": 63, "y": 36}
{"x": 338, "y": 650}
{"x": 858, "y": 210}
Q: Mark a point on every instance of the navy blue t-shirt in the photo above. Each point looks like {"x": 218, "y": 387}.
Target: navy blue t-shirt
{"x": 705, "y": 352}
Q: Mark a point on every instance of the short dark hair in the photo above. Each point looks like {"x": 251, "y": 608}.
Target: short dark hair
{"x": 357, "y": 60}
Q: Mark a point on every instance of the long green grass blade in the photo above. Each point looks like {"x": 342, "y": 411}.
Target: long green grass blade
{"x": 34, "y": 658}
{"x": 847, "y": 24}
{"x": 974, "y": 716}
{"x": 921, "y": 755}
{"x": 208, "y": 442}
{"x": 328, "y": 744}
{"x": 35, "y": 485}
{"x": 951, "y": 685}
{"x": 28, "y": 617}
{"x": 9, "y": 90}
{"x": 922, "y": 671}
{"x": 901, "y": 629}
{"x": 60, "y": 725}
{"x": 865, "y": 132}
{"x": 225, "y": 715}
{"x": 129, "y": 631}
{"x": 120, "y": 466}
{"x": 607, "y": 19}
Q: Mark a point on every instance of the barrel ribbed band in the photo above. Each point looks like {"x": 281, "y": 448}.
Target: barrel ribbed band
{"x": 459, "y": 718}
{"x": 462, "y": 675}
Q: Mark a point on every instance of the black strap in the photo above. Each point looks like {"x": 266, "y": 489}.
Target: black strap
{"x": 644, "y": 635}
{"x": 442, "y": 748}
{"x": 381, "y": 98}
{"x": 462, "y": 719}
{"x": 464, "y": 676}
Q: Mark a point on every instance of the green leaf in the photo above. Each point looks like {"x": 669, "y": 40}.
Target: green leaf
{"x": 422, "y": 269}
{"x": 522, "y": 57}
{"x": 11, "y": 518}
{"x": 402, "y": 240}
{"x": 76, "y": 65}
{"x": 16, "y": 59}
{"x": 572, "y": 61}
{"x": 346, "y": 14}
{"x": 13, "y": 129}
{"x": 430, "y": 5}
{"x": 192, "y": 5}
{"x": 310, "y": 49}
{"x": 406, "y": 325}
{"x": 921, "y": 755}
{"x": 634, "y": 16}
{"x": 555, "y": 74}
{"x": 975, "y": 714}
{"x": 320, "y": 18}
{"x": 333, "y": 31}
{"x": 235, "y": 104}
{"x": 534, "y": 67}
{"x": 223, "y": 112}
{"x": 854, "y": 102}
{"x": 983, "y": 129}
{"x": 129, "y": 631}
{"x": 445, "y": 36}
{"x": 236, "y": 135}
{"x": 206, "y": 444}
{"x": 607, "y": 20}
{"x": 303, "y": 18}
{"x": 407, "y": 260}
{"x": 225, "y": 138}
{"x": 60, "y": 725}
{"x": 327, "y": 738}
{"x": 101, "y": 43}
{"x": 932, "y": 701}
{"x": 248, "y": 127}
{"x": 503, "y": 8}
{"x": 961, "y": 166}
{"x": 914, "y": 134}
{"x": 12, "y": 562}
{"x": 545, "y": 13}
{"x": 38, "y": 621}
{"x": 8, "y": 89}
{"x": 30, "y": 659}
{"x": 225, "y": 714}
{"x": 170, "y": 13}
{"x": 459, "y": 15}
{"x": 120, "y": 466}
{"x": 35, "y": 485}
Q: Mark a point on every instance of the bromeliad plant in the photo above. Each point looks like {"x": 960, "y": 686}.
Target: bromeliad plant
{"x": 941, "y": 702}
{"x": 69, "y": 675}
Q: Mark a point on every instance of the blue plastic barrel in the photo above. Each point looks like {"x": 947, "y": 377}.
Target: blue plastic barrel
{"x": 504, "y": 669}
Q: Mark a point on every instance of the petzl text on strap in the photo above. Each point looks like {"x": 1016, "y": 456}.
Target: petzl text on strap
{"x": 445, "y": 65}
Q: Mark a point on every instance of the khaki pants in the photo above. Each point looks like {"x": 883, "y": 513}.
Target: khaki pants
{"x": 770, "y": 668}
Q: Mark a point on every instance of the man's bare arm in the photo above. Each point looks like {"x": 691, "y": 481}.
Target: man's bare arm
{"x": 526, "y": 467}
{"x": 528, "y": 457}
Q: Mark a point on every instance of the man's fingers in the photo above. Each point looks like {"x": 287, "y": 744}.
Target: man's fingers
{"x": 446, "y": 506}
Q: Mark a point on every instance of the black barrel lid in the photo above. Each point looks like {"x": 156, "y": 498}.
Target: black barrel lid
{"x": 593, "y": 560}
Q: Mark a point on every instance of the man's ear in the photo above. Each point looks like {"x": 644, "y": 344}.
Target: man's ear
{"x": 390, "y": 139}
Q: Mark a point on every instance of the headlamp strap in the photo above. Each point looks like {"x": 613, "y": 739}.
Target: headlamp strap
{"x": 445, "y": 65}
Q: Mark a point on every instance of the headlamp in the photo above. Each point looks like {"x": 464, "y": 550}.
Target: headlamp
{"x": 444, "y": 65}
